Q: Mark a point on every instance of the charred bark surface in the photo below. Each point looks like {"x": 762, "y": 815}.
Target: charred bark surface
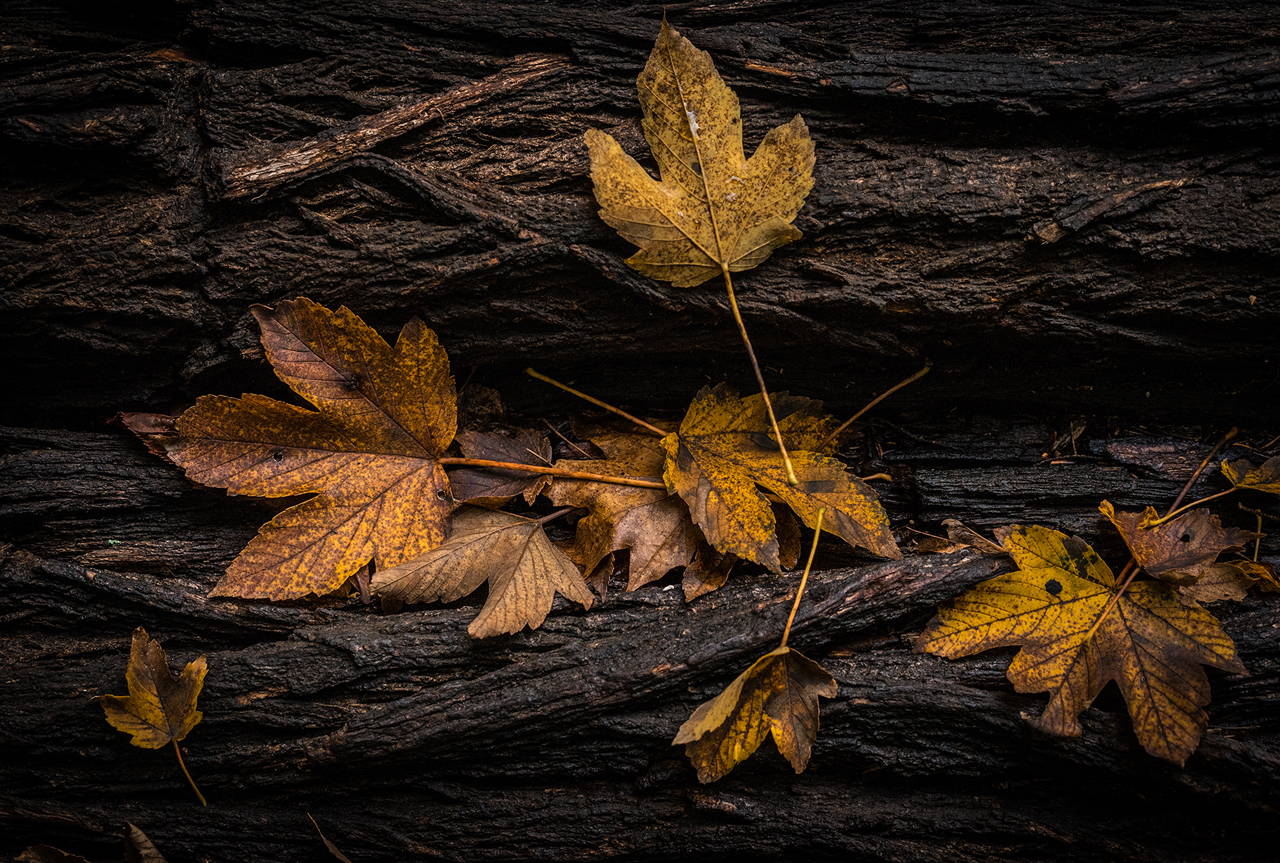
{"x": 1072, "y": 213}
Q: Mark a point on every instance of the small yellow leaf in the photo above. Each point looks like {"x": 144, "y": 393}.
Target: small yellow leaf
{"x": 1242, "y": 474}
{"x": 714, "y": 209}
{"x": 1150, "y": 643}
{"x": 777, "y": 695}
{"x": 158, "y": 709}
{"x": 524, "y": 570}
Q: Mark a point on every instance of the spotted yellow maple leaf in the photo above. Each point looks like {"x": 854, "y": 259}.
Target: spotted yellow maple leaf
{"x": 714, "y": 210}
{"x": 368, "y": 453}
{"x": 1055, "y": 607}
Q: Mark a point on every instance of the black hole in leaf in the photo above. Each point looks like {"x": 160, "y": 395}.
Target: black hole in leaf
{"x": 1053, "y": 586}
{"x": 1186, "y": 537}
{"x": 277, "y": 455}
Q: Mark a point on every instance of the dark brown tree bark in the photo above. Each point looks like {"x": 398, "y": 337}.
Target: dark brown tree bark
{"x": 1072, "y": 213}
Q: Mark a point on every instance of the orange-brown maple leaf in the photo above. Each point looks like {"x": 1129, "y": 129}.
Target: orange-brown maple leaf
{"x": 1179, "y": 551}
{"x": 368, "y": 452}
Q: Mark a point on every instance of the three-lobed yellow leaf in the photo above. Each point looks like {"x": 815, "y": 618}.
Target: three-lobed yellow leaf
{"x": 1150, "y": 643}
{"x": 159, "y": 709}
{"x": 512, "y": 553}
{"x": 777, "y": 695}
{"x": 714, "y": 210}
{"x": 723, "y": 451}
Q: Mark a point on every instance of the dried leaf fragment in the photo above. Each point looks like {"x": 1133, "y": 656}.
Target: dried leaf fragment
{"x": 777, "y": 695}
{"x": 512, "y": 553}
{"x": 159, "y": 709}
{"x": 493, "y": 487}
{"x": 1179, "y": 551}
{"x": 1150, "y": 643}
{"x": 723, "y": 451}
{"x": 1242, "y": 474}
{"x": 368, "y": 453}
{"x": 714, "y": 209}
{"x": 138, "y": 848}
{"x": 654, "y": 525}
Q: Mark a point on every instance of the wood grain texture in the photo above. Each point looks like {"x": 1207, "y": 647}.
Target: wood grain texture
{"x": 1071, "y": 212}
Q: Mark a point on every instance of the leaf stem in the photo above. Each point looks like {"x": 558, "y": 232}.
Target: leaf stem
{"x": 595, "y": 401}
{"x": 552, "y": 471}
{"x": 1169, "y": 515}
{"x": 183, "y": 765}
{"x": 1129, "y": 569}
{"x": 875, "y": 401}
{"x": 813, "y": 549}
{"x": 755, "y": 366}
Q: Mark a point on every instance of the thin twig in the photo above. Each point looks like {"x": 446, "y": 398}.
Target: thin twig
{"x": 813, "y": 549}
{"x": 875, "y": 401}
{"x": 551, "y": 471}
{"x": 755, "y": 366}
{"x": 557, "y": 433}
{"x": 183, "y": 765}
{"x": 595, "y": 401}
{"x": 546, "y": 519}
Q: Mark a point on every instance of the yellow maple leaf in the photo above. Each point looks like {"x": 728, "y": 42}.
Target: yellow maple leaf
{"x": 512, "y": 553}
{"x": 159, "y": 709}
{"x": 1150, "y": 644}
{"x": 777, "y": 695}
{"x": 714, "y": 210}
{"x": 723, "y": 451}
{"x": 369, "y": 452}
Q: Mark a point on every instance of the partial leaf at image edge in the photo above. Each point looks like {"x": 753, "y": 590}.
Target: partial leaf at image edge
{"x": 1265, "y": 477}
